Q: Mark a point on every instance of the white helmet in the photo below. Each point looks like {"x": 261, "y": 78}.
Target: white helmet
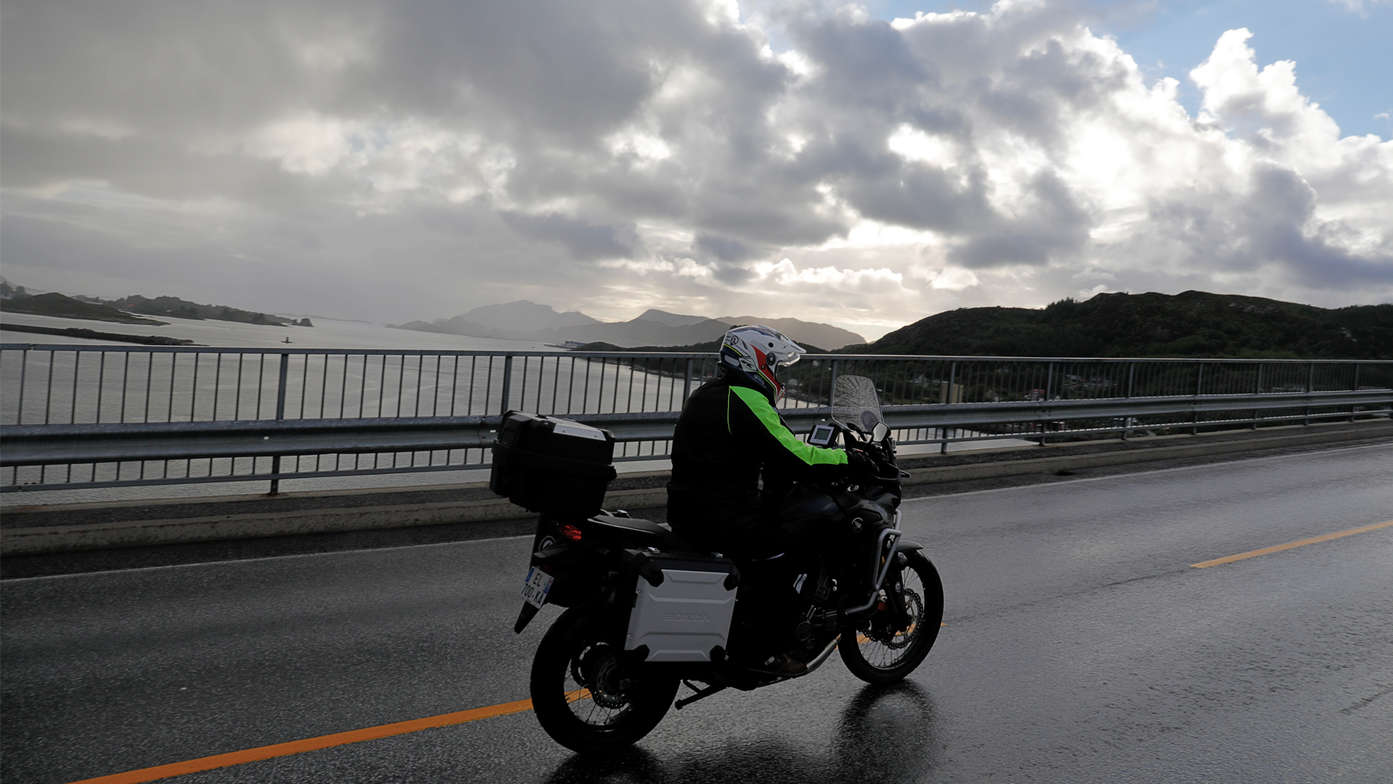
{"x": 757, "y": 352}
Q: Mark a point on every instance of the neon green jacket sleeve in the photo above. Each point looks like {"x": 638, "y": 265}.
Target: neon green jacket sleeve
{"x": 751, "y": 418}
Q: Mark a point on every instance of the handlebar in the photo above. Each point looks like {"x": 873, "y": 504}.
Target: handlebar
{"x": 881, "y": 453}
{"x": 886, "y": 469}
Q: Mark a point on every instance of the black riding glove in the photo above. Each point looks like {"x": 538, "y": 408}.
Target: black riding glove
{"x": 860, "y": 464}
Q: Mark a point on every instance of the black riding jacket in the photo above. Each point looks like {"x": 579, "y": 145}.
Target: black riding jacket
{"x": 733, "y": 460}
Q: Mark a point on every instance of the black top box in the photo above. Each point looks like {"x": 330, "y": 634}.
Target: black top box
{"x": 552, "y": 466}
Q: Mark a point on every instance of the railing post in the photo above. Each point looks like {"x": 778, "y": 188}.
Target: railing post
{"x": 1310, "y": 387}
{"x": 280, "y": 415}
{"x": 1049, "y": 394}
{"x": 507, "y": 383}
{"x": 947, "y": 399}
{"x": 1354, "y": 410}
{"x": 687, "y": 383}
{"x": 832, "y": 384}
{"x": 1199, "y": 388}
{"x": 1257, "y": 390}
{"x": 23, "y": 366}
{"x": 1131, "y": 382}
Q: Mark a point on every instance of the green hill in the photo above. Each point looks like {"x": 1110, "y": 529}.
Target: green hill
{"x": 67, "y": 307}
{"x": 1190, "y": 324}
{"x": 182, "y": 308}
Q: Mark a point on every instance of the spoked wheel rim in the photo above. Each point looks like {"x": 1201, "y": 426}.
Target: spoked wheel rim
{"x": 597, "y": 692}
{"x": 587, "y": 694}
{"x": 877, "y": 652}
{"x": 884, "y": 647}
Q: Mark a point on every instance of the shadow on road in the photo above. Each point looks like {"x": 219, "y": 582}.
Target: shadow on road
{"x": 885, "y": 734}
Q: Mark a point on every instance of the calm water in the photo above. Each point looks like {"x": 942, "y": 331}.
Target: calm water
{"x": 160, "y": 385}
{"x": 326, "y": 333}
{"x": 163, "y": 387}
{"x": 156, "y": 387}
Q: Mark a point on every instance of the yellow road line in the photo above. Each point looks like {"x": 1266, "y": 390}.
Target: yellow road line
{"x": 202, "y": 764}
{"x": 1291, "y": 545}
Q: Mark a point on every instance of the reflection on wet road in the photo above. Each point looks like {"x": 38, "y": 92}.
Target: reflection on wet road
{"x": 1080, "y": 646}
{"x": 884, "y": 734}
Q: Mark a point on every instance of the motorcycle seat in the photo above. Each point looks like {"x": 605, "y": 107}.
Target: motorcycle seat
{"x": 634, "y": 530}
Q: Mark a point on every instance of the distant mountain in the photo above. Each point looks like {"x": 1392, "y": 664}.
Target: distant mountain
{"x": 642, "y": 332}
{"x": 524, "y": 320}
{"x": 670, "y": 319}
{"x": 1190, "y": 324}
{"x": 520, "y": 320}
{"x": 524, "y": 316}
{"x": 66, "y": 307}
{"x": 803, "y": 332}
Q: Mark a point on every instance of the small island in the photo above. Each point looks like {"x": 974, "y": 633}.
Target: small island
{"x": 92, "y": 334}
{"x": 66, "y": 307}
{"x": 14, "y": 299}
{"x": 175, "y": 307}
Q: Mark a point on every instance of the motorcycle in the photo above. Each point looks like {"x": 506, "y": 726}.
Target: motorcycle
{"x": 645, "y": 615}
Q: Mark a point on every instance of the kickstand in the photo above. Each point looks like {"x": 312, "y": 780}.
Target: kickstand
{"x": 701, "y": 694}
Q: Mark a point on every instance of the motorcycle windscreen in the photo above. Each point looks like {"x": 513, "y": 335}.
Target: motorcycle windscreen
{"x": 855, "y": 403}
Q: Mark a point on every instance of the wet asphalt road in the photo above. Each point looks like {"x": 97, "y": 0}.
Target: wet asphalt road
{"x": 1079, "y": 646}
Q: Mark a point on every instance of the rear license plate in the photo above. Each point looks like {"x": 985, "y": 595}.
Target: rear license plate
{"x": 536, "y": 587}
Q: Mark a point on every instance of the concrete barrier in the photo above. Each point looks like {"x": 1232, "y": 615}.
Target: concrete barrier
{"x": 80, "y": 527}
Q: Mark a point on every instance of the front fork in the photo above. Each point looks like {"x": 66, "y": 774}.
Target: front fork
{"x": 893, "y": 584}
{"x": 894, "y": 593}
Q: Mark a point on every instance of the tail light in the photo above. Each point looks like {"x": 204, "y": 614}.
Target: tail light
{"x": 570, "y": 531}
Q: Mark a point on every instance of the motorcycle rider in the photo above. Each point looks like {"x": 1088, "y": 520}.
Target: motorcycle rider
{"x": 734, "y": 463}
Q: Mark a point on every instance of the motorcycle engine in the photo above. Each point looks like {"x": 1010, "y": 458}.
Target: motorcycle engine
{"x": 815, "y": 630}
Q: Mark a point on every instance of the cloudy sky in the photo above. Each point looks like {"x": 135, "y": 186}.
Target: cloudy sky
{"x": 863, "y": 165}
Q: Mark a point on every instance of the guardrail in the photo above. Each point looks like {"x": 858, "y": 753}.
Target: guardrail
{"x": 86, "y": 417}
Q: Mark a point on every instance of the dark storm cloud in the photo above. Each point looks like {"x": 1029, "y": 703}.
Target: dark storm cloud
{"x": 881, "y": 79}
{"x": 585, "y": 240}
{"x": 1267, "y": 231}
{"x": 731, "y": 273}
{"x": 1053, "y": 226}
{"x": 150, "y": 167}
{"x": 923, "y": 197}
{"x": 1282, "y": 203}
{"x": 749, "y": 214}
{"x": 722, "y": 248}
{"x": 554, "y": 71}
{"x": 379, "y": 146}
{"x": 163, "y": 68}
{"x": 870, "y": 65}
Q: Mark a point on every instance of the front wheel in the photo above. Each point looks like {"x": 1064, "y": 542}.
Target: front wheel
{"x": 587, "y": 696}
{"x": 874, "y": 649}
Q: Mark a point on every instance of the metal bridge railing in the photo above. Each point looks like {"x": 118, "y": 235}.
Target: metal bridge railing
{"x": 99, "y": 416}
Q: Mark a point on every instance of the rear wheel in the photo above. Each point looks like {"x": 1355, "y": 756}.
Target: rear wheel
{"x": 586, "y": 695}
{"x": 877, "y": 650}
